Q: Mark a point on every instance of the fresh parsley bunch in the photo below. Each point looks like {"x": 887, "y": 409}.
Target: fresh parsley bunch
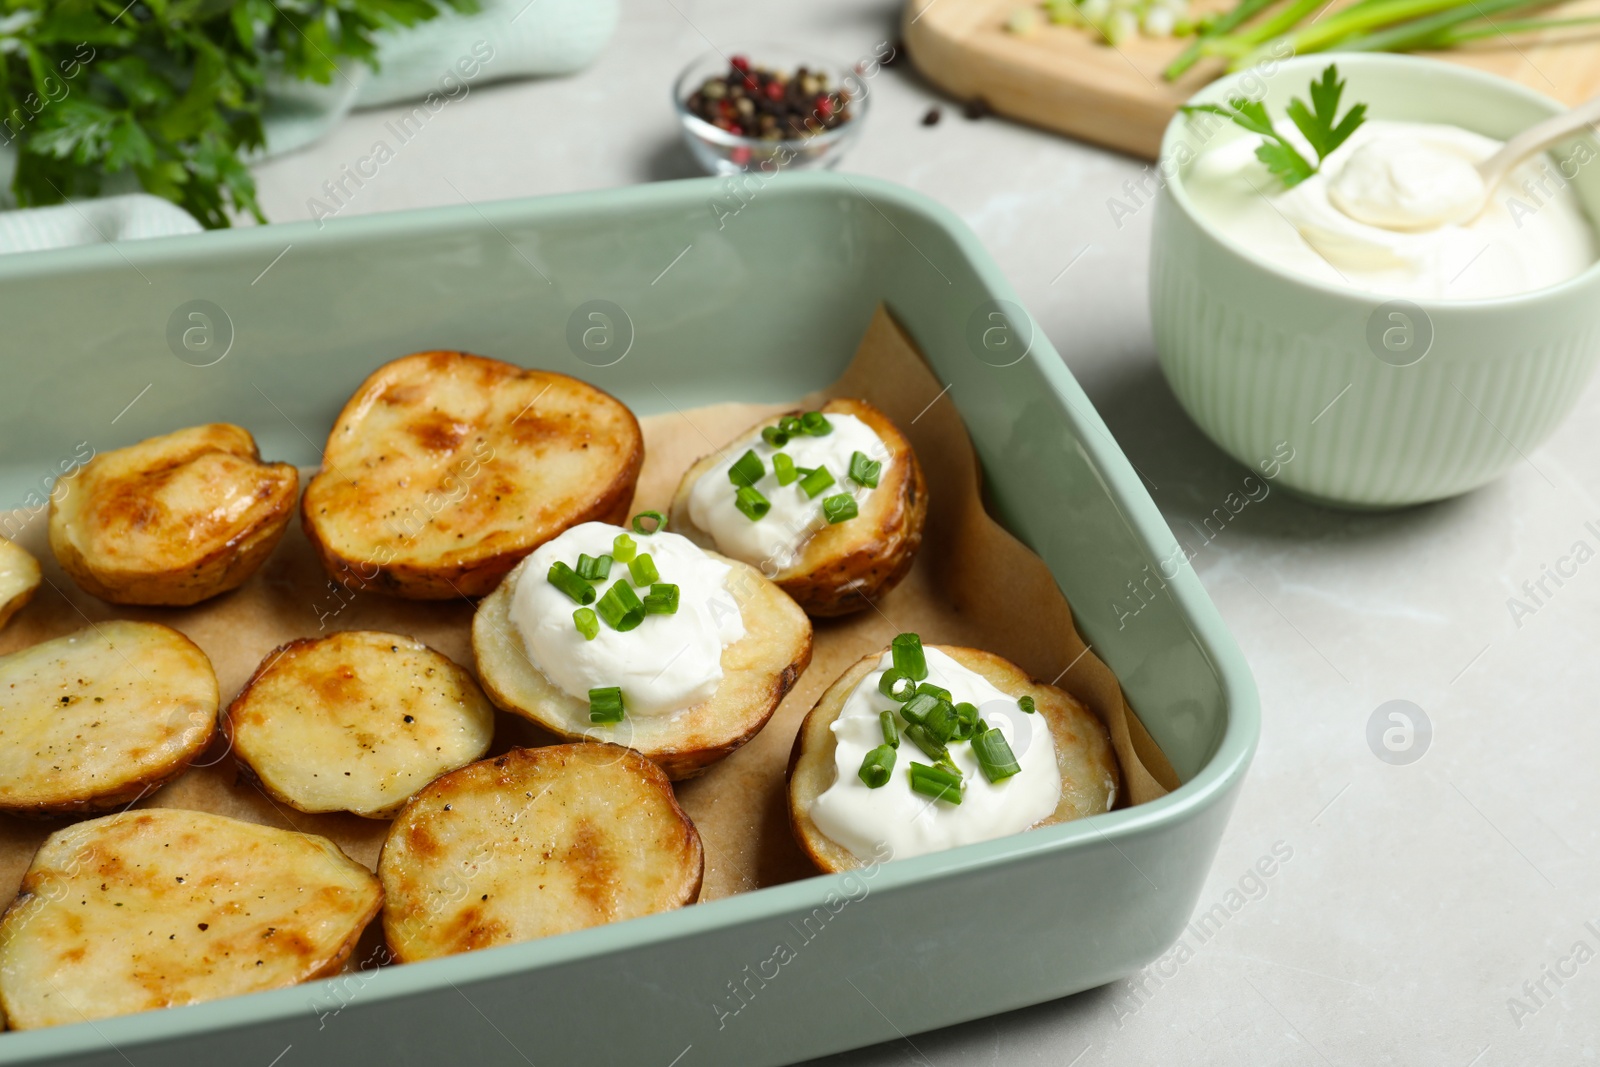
{"x": 1319, "y": 124}
{"x": 171, "y": 91}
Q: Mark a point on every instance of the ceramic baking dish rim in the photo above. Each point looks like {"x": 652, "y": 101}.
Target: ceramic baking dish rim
{"x": 1213, "y": 782}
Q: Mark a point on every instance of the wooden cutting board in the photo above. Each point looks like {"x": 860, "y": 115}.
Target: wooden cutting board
{"x": 1065, "y": 79}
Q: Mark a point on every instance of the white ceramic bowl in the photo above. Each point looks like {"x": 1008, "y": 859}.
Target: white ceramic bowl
{"x": 1377, "y": 411}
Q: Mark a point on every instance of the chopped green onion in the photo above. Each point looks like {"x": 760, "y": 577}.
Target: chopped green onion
{"x": 624, "y": 548}
{"x": 784, "y": 468}
{"x": 1027, "y": 705}
{"x": 774, "y": 436}
{"x": 790, "y": 426}
{"x": 662, "y": 599}
{"x": 750, "y": 501}
{"x": 643, "y": 569}
{"x": 877, "y": 766}
{"x": 747, "y": 470}
{"x": 566, "y": 579}
{"x": 936, "y": 782}
{"x": 897, "y": 685}
{"x": 967, "y": 721}
{"x": 815, "y": 481}
{"x": 621, "y": 607}
{"x": 658, "y": 522}
{"x": 816, "y": 424}
{"x": 940, "y": 721}
{"x": 994, "y": 755}
{"x": 839, "y": 508}
{"x": 935, "y": 691}
{"x": 919, "y": 737}
{"x": 864, "y": 471}
{"x": 891, "y": 733}
{"x": 920, "y": 706}
{"x": 593, "y": 569}
{"x": 588, "y": 625}
{"x": 605, "y": 705}
{"x": 908, "y": 657}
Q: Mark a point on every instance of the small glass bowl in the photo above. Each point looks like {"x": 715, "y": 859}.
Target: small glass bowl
{"x": 720, "y": 152}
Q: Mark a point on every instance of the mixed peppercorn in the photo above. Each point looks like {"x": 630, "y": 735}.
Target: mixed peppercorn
{"x": 769, "y": 105}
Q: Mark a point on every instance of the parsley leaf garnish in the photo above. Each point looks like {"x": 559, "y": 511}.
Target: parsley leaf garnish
{"x": 1279, "y": 155}
{"x": 1317, "y": 124}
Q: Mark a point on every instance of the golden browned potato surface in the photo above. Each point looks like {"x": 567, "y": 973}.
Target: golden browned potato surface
{"x": 101, "y": 717}
{"x": 357, "y": 721}
{"x": 758, "y": 670}
{"x": 536, "y": 842}
{"x": 843, "y": 568}
{"x": 19, "y": 579}
{"x": 173, "y": 519}
{"x": 1090, "y": 777}
{"x": 445, "y": 469}
{"x": 162, "y": 907}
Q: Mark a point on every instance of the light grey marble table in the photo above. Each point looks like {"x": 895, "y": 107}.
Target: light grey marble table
{"x": 1424, "y": 914}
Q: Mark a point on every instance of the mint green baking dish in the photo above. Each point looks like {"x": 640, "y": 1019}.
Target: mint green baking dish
{"x": 757, "y": 296}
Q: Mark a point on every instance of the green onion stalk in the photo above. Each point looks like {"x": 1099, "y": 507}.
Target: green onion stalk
{"x": 1420, "y": 33}
{"x": 1255, "y": 30}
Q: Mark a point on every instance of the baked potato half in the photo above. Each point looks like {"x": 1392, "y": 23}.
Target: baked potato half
{"x": 163, "y": 907}
{"x": 101, "y": 717}
{"x": 830, "y": 568}
{"x": 19, "y": 579}
{"x": 445, "y": 469}
{"x": 1090, "y": 776}
{"x": 758, "y": 670}
{"x": 536, "y": 842}
{"x": 171, "y": 520}
{"x": 356, "y": 721}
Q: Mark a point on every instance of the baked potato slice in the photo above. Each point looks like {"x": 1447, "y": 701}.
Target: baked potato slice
{"x": 844, "y": 567}
{"x": 171, "y": 520}
{"x": 758, "y": 670}
{"x": 445, "y": 469}
{"x": 19, "y": 579}
{"x": 101, "y": 717}
{"x": 1090, "y": 776}
{"x": 162, "y": 907}
{"x": 356, "y": 721}
{"x": 537, "y": 842}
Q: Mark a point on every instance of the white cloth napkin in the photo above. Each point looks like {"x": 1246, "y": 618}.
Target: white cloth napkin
{"x": 87, "y": 222}
{"x": 503, "y": 39}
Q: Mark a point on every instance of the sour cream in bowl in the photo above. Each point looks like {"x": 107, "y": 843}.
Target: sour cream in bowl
{"x": 1397, "y": 344}
{"x": 1394, "y": 210}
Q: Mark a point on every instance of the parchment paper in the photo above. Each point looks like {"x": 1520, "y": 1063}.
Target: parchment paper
{"x": 973, "y": 584}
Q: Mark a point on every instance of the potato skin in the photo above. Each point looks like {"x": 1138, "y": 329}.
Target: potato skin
{"x": 758, "y": 671}
{"x": 1090, "y": 776}
{"x": 101, "y": 717}
{"x": 152, "y": 524}
{"x": 19, "y": 579}
{"x": 845, "y": 568}
{"x": 533, "y": 843}
{"x": 216, "y": 907}
{"x": 445, "y": 469}
{"x": 389, "y": 711}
